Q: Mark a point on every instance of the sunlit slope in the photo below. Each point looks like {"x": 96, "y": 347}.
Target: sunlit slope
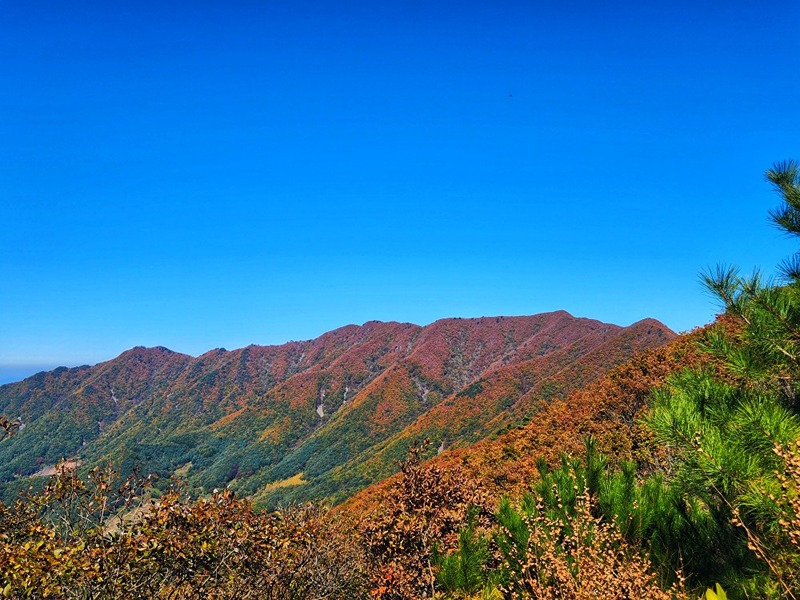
{"x": 505, "y": 395}
{"x": 608, "y": 409}
{"x": 313, "y": 419}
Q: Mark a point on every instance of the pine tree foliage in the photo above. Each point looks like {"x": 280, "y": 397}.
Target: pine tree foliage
{"x": 728, "y": 437}
{"x": 559, "y": 544}
{"x": 785, "y": 177}
{"x": 765, "y": 341}
{"x": 674, "y": 531}
{"x": 464, "y": 573}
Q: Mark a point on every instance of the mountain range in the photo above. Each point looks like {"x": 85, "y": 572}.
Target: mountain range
{"x": 317, "y": 419}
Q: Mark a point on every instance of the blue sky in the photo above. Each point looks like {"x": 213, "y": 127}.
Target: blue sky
{"x": 209, "y": 174}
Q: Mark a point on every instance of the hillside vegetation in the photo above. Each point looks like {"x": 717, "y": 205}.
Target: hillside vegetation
{"x": 307, "y": 420}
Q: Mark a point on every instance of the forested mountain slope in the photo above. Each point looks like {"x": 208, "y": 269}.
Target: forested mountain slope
{"x": 314, "y": 419}
{"x": 609, "y": 409}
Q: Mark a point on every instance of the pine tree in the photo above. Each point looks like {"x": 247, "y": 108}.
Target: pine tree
{"x": 762, "y": 342}
{"x": 727, "y": 436}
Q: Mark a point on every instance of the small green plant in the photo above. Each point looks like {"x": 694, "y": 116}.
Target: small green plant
{"x": 716, "y": 594}
{"x": 463, "y": 573}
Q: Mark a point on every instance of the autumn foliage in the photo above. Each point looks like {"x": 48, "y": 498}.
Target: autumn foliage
{"x": 580, "y": 557}
{"x": 88, "y": 538}
{"x": 422, "y": 514}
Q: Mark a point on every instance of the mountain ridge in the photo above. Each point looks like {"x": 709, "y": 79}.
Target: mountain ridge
{"x": 337, "y": 409}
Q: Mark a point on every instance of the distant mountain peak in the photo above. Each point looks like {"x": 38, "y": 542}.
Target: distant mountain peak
{"x": 147, "y": 351}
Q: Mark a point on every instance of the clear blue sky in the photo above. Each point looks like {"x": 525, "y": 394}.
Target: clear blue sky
{"x": 205, "y": 174}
